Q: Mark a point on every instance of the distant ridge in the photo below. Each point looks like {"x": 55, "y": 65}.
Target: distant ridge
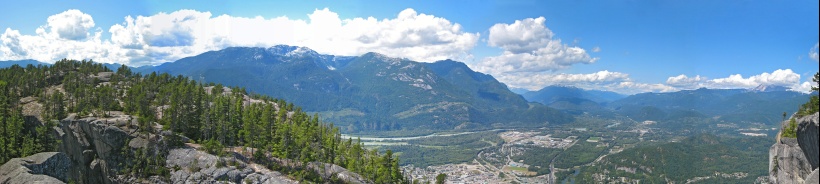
{"x": 554, "y": 93}
{"x": 730, "y": 105}
{"x": 768, "y": 88}
{"x": 23, "y": 63}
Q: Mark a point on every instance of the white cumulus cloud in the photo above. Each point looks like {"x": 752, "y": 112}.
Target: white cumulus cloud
{"x": 601, "y": 80}
{"x": 779, "y": 77}
{"x": 684, "y": 81}
{"x": 628, "y": 87}
{"x": 164, "y": 37}
{"x": 537, "y": 81}
{"x": 71, "y": 24}
{"x": 804, "y": 87}
{"x": 529, "y": 46}
{"x": 531, "y": 53}
{"x": 521, "y": 36}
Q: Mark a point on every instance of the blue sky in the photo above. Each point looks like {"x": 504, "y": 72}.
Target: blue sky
{"x": 624, "y": 46}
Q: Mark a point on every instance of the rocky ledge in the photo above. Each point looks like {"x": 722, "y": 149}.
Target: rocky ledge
{"x": 46, "y": 167}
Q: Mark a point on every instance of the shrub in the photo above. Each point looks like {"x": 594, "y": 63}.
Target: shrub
{"x": 213, "y": 147}
{"x": 790, "y": 130}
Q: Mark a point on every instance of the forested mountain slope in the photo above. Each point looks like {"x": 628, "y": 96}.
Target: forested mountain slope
{"x": 43, "y": 108}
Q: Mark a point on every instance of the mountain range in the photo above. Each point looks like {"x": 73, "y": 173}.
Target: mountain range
{"x": 377, "y": 92}
{"x": 732, "y": 105}
{"x": 5, "y": 64}
{"x": 371, "y": 91}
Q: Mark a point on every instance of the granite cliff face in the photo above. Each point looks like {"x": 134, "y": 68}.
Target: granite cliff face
{"x": 95, "y": 150}
{"x": 795, "y": 160}
{"x": 95, "y": 146}
{"x": 807, "y": 138}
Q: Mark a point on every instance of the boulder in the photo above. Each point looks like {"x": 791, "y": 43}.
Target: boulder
{"x": 46, "y": 167}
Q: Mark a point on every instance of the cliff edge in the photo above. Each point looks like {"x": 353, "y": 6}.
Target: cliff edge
{"x": 46, "y": 167}
{"x": 95, "y": 150}
{"x": 795, "y": 160}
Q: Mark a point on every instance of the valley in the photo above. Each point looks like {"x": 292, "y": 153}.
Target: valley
{"x": 554, "y": 154}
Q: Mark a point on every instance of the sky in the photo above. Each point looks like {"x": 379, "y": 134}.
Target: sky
{"x": 629, "y": 47}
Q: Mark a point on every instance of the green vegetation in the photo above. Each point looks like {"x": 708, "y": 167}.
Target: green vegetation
{"x": 22, "y": 136}
{"x": 579, "y": 154}
{"x": 696, "y": 156}
{"x": 813, "y": 104}
{"x": 594, "y": 139}
{"x": 210, "y": 114}
{"x": 445, "y": 149}
{"x": 520, "y": 169}
{"x": 440, "y": 178}
{"x": 427, "y": 156}
{"x": 808, "y": 108}
{"x": 790, "y": 130}
{"x": 538, "y": 158}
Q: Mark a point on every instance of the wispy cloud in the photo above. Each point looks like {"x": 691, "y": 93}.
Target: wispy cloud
{"x": 596, "y": 49}
{"x": 813, "y": 52}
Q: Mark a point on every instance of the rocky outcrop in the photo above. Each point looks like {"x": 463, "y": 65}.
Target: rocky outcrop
{"x": 193, "y": 166}
{"x": 94, "y": 146}
{"x": 46, "y": 167}
{"x": 807, "y": 138}
{"x": 794, "y": 160}
{"x": 104, "y": 76}
{"x": 95, "y": 150}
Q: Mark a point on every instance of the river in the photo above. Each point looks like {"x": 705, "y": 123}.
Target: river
{"x": 346, "y": 136}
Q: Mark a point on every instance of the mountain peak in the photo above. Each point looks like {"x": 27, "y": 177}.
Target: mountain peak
{"x": 451, "y": 63}
{"x": 381, "y": 57}
{"x": 287, "y": 50}
{"x": 562, "y": 86}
